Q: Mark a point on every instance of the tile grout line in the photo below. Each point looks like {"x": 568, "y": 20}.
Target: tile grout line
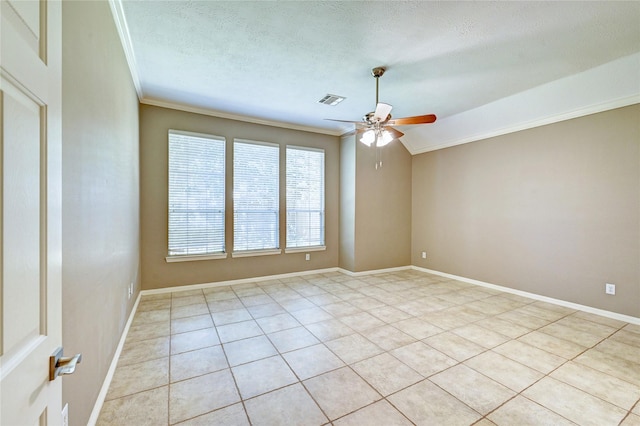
{"x": 281, "y": 355}
{"x": 630, "y": 412}
{"x": 169, "y": 387}
{"x": 244, "y": 407}
{"x": 548, "y": 375}
{"x": 385, "y": 323}
{"x": 461, "y": 362}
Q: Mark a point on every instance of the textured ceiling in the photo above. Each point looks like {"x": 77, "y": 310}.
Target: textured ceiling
{"x": 272, "y": 61}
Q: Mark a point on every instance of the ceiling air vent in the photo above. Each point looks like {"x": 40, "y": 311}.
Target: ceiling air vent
{"x": 331, "y": 100}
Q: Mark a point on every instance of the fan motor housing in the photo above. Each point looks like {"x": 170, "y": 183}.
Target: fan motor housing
{"x": 369, "y": 118}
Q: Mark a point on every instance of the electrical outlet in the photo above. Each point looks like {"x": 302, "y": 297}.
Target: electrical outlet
{"x": 65, "y": 415}
{"x": 424, "y": 254}
{"x": 307, "y": 256}
{"x": 610, "y": 289}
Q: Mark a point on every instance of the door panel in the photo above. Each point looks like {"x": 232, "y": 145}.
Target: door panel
{"x": 30, "y": 210}
{"x": 21, "y": 220}
{"x": 29, "y": 11}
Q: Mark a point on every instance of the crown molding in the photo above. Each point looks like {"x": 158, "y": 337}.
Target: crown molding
{"x": 125, "y": 40}
{"x": 543, "y": 121}
{"x": 612, "y": 85}
{"x": 237, "y": 117}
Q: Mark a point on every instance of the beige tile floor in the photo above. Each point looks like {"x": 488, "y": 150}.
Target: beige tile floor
{"x": 396, "y": 348}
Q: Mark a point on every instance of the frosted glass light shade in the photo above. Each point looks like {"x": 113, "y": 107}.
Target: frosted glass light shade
{"x": 368, "y": 137}
{"x": 384, "y": 138}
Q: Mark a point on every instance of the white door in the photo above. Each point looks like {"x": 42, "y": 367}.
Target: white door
{"x": 30, "y": 210}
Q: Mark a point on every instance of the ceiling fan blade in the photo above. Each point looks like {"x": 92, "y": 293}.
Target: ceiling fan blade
{"x": 397, "y": 134}
{"x": 345, "y": 121}
{"x": 418, "y": 119}
{"x": 382, "y": 112}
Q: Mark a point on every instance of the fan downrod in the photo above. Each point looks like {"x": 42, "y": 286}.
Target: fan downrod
{"x": 377, "y": 72}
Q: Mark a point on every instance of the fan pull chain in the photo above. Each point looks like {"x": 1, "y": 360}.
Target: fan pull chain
{"x": 378, "y": 158}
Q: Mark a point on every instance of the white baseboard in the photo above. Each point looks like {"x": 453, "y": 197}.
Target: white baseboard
{"x": 238, "y": 281}
{"x": 271, "y": 277}
{"x": 589, "y": 309}
{"x": 373, "y": 271}
{"x": 95, "y": 413}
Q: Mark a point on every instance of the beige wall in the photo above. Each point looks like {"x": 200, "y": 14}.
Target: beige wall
{"x": 383, "y": 208}
{"x": 347, "y": 202}
{"x": 553, "y": 210}
{"x": 100, "y": 246}
{"x": 155, "y": 122}
{"x": 375, "y": 221}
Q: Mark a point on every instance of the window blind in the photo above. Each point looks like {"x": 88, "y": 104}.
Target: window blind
{"x": 255, "y": 195}
{"x": 305, "y": 197}
{"x": 196, "y": 193}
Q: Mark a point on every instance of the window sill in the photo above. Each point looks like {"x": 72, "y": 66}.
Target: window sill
{"x": 305, "y": 249}
{"x": 191, "y": 258}
{"x": 251, "y": 253}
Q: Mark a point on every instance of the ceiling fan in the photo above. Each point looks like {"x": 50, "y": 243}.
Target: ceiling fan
{"x": 376, "y": 128}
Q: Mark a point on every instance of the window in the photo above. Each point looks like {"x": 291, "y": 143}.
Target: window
{"x": 196, "y": 194}
{"x": 255, "y": 196}
{"x": 305, "y": 197}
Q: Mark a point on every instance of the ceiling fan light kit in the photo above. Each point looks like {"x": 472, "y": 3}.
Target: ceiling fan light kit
{"x": 377, "y": 136}
{"x": 376, "y": 128}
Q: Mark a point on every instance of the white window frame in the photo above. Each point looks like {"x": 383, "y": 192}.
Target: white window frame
{"x": 310, "y": 247}
{"x": 254, "y": 251}
{"x": 174, "y": 257}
